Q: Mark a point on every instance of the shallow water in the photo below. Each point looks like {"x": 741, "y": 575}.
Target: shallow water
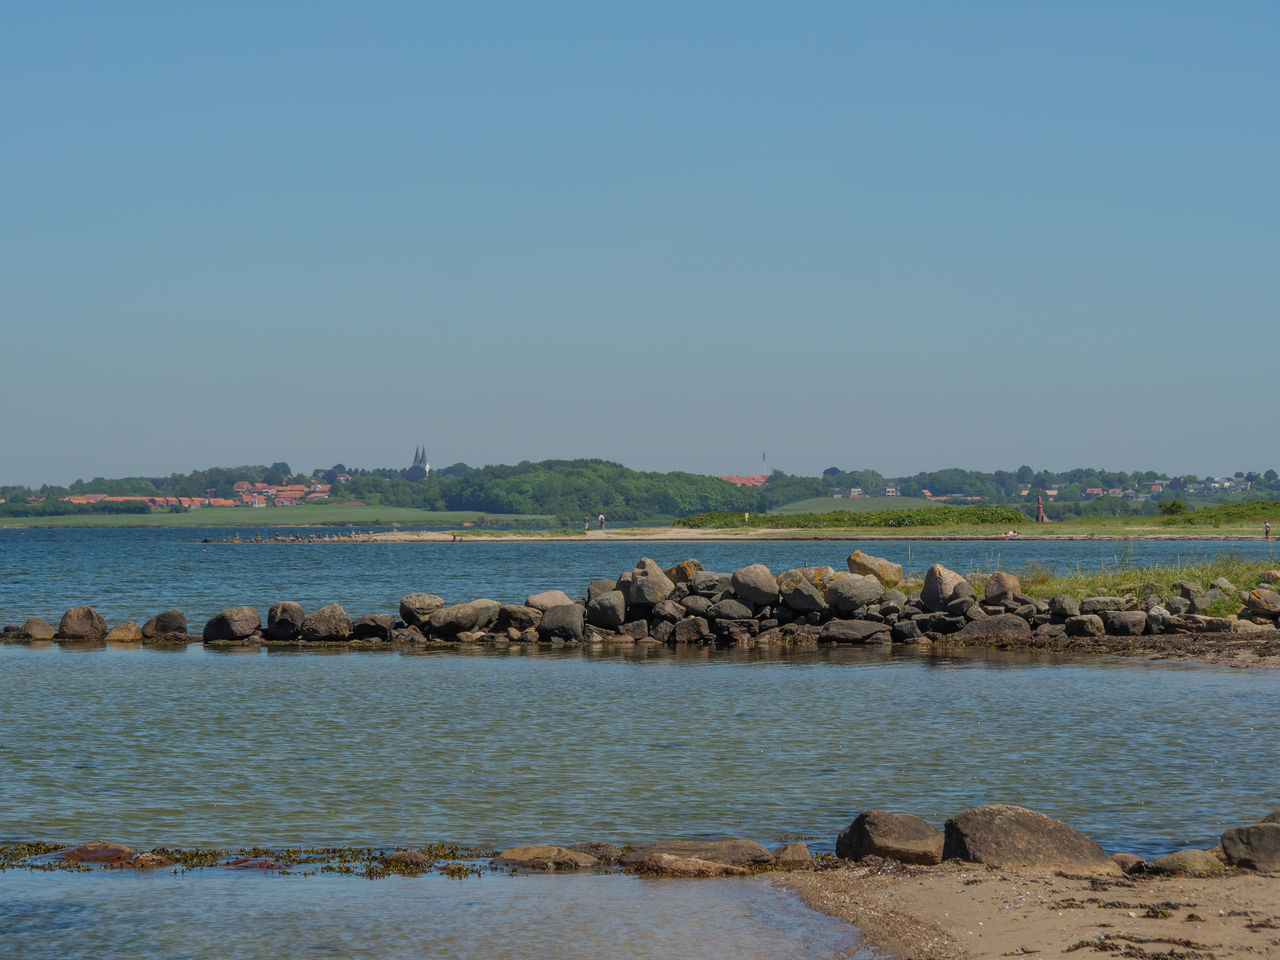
{"x": 220, "y": 915}
{"x": 198, "y": 748}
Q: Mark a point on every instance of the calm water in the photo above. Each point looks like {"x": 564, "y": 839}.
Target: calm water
{"x": 199, "y": 748}
{"x": 131, "y": 574}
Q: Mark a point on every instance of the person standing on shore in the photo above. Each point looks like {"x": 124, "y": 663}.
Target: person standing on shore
{"x": 586, "y": 522}
{"x": 602, "y": 521}
{"x": 1266, "y": 531}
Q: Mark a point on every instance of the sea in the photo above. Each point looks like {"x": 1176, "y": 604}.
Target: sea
{"x": 200, "y": 749}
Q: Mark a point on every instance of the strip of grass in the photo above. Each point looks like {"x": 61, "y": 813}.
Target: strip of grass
{"x": 850, "y": 505}
{"x": 312, "y": 515}
{"x": 843, "y": 519}
{"x": 1119, "y": 578}
{"x": 1254, "y": 513}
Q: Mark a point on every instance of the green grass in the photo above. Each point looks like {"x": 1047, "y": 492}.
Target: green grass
{"x": 1117, "y": 578}
{"x": 325, "y": 514}
{"x": 930, "y": 516}
{"x": 851, "y": 505}
{"x": 1253, "y": 512}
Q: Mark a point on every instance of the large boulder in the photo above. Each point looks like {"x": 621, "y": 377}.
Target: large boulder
{"x": 233, "y": 623}
{"x": 127, "y": 631}
{"x": 729, "y": 609}
{"x": 416, "y": 608}
{"x": 82, "y": 623}
{"x": 607, "y": 610}
{"x": 563, "y": 622}
{"x": 708, "y": 583}
{"x": 889, "y": 574}
{"x": 822, "y": 577}
{"x": 170, "y": 621}
{"x": 373, "y": 626}
{"x": 547, "y": 599}
{"x": 1001, "y": 586}
{"x": 1085, "y": 625}
{"x": 649, "y": 585}
{"x": 1124, "y": 623}
{"x": 96, "y": 851}
{"x": 486, "y": 612}
{"x": 1063, "y": 606}
{"x": 755, "y": 584}
{"x": 1254, "y": 848}
{"x": 855, "y": 631}
{"x": 1099, "y": 604}
{"x": 1262, "y": 601}
{"x": 284, "y": 621}
{"x": 452, "y": 620}
{"x": 1004, "y": 835}
{"x": 799, "y": 593}
{"x": 939, "y": 587}
{"x": 690, "y": 630}
{"x": 894, "y": 836}
{"x": 739, "y": 853}
{"x": 328, "y": 624}
{"x": 852, "y": 591}
{"x": 1188, "y": 863}
{"x": 544, "y": 857}
{"x": 36, "y": 628}
{"x": 1002, "y": 626}
{"x": 597, "y": 587}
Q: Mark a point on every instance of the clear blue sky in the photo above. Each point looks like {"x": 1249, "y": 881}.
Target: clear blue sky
{"x": 891, "y": 235}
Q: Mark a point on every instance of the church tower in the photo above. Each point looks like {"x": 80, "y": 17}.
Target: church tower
{"x": 420, "y": 467}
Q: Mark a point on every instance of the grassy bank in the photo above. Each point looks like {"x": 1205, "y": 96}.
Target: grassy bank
{"x": 312, "y": 515}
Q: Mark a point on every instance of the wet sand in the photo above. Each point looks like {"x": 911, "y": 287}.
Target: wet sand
{"x": 959, "y": 911}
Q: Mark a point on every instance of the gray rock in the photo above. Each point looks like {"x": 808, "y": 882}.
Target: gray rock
{"x": 794, "y": 854}
{"x": 696, "y": 605}
{"x": 607, "y": 610}
{"x": 683, "y": 571}
{"x": 604, "y": 852}
{"x": 668, "y": 610}
{"x": 170, "y": 621}
{"x": 707, "y": 583}
{"x": 1063, "y": 605}
{"x": 905, "y": 631}
{"x": 597, "y": 588}
{"x": 1124, "y": 623}
{"x": 373, "y": 626}
{"x": 82, "y": 623}
{"x": 649, "y": 585}
{"x": 1187, "y": 589}
{"x": 233, "y": 623}
{"x": 663, "y": 631}
{"x": 284, "y": 621}
{"x": 959, "y": 606}
{"x": 939, "y": 587}
{"x": 894, "y": 836}
{"x": 1262, "y": 601}
{"x": 563, "y": 622}
{"x": 1004, "y": 835}
{"x": 416, "y": 608}
{"x": 1004, "y": 626}
{"x": 855, "y": 631}
{"x": 127, "y": 631}
{"x": 690, "y": 630}
{"x": 799, "y": 593}
{"x": 452, "y": 620}
{"x": 547, "y": 599}
{"x": 1254, "y": 848}
{"x": 1224, "y": 585}
{"x": 755, "y": 584}
{"x": 1085, "y": 625}
{"x": 1178, "y": 605}
{"x": 849, "y": 593}
{"x": 729, "y": 609}
{"x": 328, "y": 624}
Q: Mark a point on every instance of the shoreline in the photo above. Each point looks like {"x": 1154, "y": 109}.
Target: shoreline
{"x": 967, "y": 911}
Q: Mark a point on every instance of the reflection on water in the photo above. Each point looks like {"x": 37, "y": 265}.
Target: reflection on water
{"x": 209, "y": 914}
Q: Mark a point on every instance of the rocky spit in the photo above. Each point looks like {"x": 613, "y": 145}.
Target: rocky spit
{"x": 995, "y": 835}
{"x": 870, "y": 603}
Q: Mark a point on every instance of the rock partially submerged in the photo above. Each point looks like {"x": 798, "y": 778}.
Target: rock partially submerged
{"x": 544, "y": 857}
{"x": 894, "y": 836}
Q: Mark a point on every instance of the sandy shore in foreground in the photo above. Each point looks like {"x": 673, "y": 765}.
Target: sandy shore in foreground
{"x": 957, "y": 910}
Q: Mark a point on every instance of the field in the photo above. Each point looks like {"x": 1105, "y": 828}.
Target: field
{"x": 312, "y": 515}
{"x": 851, "y": 504}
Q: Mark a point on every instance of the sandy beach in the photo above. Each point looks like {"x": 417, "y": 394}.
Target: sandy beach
{"x": 963, "y": 910}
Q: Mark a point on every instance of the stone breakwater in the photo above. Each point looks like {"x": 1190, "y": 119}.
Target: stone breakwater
{"x": 1001, "y": 836}
{"x": 870, "y": 603}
